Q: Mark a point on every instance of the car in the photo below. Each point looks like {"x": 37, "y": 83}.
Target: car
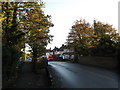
{"x": 50, "y": 58}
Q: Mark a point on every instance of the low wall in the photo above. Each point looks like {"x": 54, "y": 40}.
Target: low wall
{"x": 105, "y": 62}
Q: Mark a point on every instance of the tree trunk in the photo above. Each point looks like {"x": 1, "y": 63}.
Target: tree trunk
{"x": 34, "y": 58}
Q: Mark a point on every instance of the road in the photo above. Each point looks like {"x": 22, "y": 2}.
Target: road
{"x": 71, "y": 75}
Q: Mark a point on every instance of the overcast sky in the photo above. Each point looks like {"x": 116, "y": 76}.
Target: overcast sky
{"x": 65, "y": 12}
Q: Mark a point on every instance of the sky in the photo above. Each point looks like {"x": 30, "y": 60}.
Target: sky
{"x": 65, "y": 12}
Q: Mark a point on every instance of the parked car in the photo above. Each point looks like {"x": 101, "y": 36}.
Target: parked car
{"x": 50, "y": 58}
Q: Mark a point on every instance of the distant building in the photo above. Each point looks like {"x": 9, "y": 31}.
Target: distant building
{"x": 49, "y": 52}
{"x": 62, "y": 52}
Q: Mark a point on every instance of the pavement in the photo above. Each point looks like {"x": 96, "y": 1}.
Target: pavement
{"x": 28, "y": 79}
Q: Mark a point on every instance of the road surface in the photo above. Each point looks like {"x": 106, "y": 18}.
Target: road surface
{"x": 71, "y": 75}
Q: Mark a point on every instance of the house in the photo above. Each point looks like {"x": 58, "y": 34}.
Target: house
{"x": 49, "y": 52}
{"x": 68, "y": 53}
{"x": 65, "y": 53}
{"x": 62, "y": 52}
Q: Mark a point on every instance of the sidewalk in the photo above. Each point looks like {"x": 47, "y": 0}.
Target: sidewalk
{"x": 28, "y": 79}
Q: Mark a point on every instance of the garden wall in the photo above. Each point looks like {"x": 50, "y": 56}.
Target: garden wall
{"x": 105, "y": 62}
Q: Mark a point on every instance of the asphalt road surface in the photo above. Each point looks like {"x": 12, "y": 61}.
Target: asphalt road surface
{"x": 71, "y": 75}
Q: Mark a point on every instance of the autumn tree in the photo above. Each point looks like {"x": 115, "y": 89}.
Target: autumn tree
{"x": 80, "y": 37}
{"x": 106, "y": 39}
{"x": 36, "y": 24}
{"x": 92, "y": 39}
{"x": 11, "y": 38}
{"x": 23, "y": 22}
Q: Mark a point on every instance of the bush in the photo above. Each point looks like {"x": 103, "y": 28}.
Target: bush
{"x": 10, "y": 57}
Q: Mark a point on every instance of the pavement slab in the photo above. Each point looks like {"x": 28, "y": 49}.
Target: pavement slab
{"x": 28, "y": 79}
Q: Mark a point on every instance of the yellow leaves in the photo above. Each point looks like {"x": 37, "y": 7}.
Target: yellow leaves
{"x": 3, "y": 17}
{"x": 45, "y": 29}
{"x": 80, "y": 35}
{"x": 94, "y": 41}
{"x": 95, "y": 36}
{"x": 39, "y": 29}
{"x": 98, "y": 39}
{"x": 41, "y": 3}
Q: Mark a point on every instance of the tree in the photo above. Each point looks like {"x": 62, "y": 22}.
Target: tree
{"x": 11, "y": 38}
{"x": 81, "y": 37}
{"x": 23, "y": 22}
{"x": 11, "y": 33}
{"x": 36, "y": 24}
{"x": 107, "y": 38}
{"x": 96, "y": 39}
